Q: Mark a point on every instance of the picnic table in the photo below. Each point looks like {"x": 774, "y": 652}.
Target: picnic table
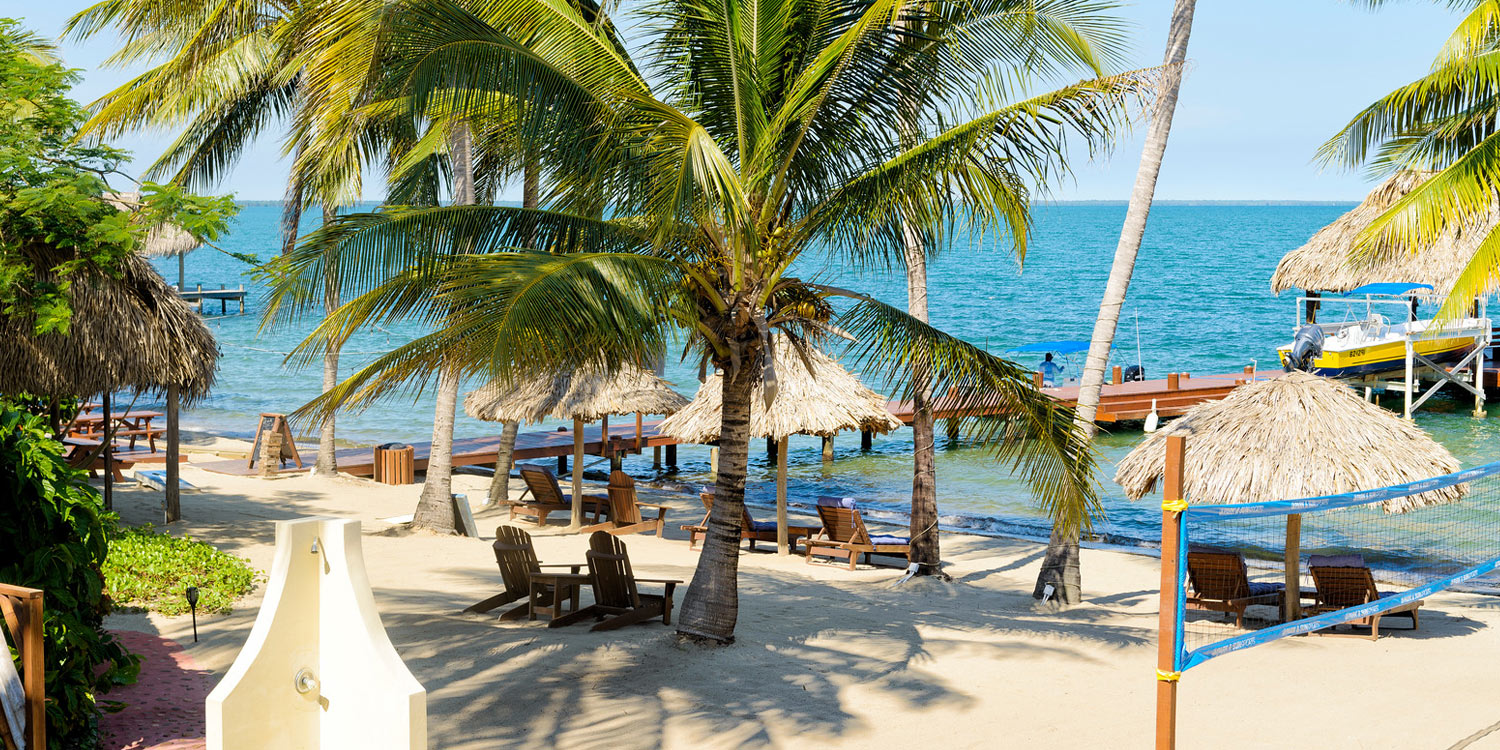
{"x": 131, "y": 424}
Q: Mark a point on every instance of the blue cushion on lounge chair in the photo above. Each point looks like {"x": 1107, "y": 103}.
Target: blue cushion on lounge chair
{"x": 836, "y": 502}
{"x": 888, "y": 539}
{"x": 1335, "y": 561}
{"x": 762, "y": 525}
{"x": 1263, "y": 589}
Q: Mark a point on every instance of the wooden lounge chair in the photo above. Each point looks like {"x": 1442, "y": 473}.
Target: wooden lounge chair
{"x": 517, "y": 560}
{"x": 617, "y": 602}
{"x": 751, "y": 529}
{"x": 846, "y": 536}
{"x": 1219, "y": 581}
{"x": 21, "y": 612}
{"x": 625, "y": 509}
{"x": 547, "y": 497}
{"x": 1345, "y": 581}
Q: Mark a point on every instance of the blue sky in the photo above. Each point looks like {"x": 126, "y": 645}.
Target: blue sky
{"x": 1269, "y": 81}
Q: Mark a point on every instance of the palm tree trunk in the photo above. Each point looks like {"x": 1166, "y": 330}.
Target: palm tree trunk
{"x": 504, "y": 462}
{"x": 1060, "y": 568}
{"x": 500, "y": 485}
{"x": 435, "y": 508}
{"x": 711, "y": 606}
{"x": 291, "y": 211}
{"x": 924, "y": 515}
{"x": 327, "y": 463}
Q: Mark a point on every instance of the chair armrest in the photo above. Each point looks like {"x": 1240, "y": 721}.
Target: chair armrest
{"x": 575, "y": 566}
{"x": 651, "y": 505}
{"x": 657, "y": 580}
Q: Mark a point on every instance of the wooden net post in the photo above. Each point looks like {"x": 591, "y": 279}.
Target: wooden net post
{"x": 1173, "y": 504}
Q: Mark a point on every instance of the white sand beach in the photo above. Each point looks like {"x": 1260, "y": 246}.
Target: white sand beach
{"x": 826, "y": 657}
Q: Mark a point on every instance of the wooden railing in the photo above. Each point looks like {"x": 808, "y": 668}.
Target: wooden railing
{"x": 21, "y": 609}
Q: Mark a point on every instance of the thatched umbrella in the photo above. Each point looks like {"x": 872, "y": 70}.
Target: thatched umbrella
{"x": 130, "y": 333}
{"x": 1294, "y": 436}
{"x": 823, "y": 400}
{"x": 162, "y": 241}
{"x": 582, "y": 396}
{"x": 1323, "y": 264}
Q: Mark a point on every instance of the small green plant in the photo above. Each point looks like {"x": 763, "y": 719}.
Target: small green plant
{"x": 152, "y": 570}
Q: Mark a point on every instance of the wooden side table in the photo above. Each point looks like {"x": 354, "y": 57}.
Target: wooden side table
{"x": 563, "y": 587}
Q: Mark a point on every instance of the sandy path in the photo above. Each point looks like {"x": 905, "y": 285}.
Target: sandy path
{"x": 841, "y": 659}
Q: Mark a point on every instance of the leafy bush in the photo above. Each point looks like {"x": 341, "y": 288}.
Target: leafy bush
{"x": 54, "y": 539}
{"x": 149, "y": 569}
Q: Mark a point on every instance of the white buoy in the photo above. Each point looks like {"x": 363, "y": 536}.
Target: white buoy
{"x": 1152, "y": 419}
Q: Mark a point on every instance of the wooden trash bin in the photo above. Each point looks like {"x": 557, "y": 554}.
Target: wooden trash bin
{"x": 394, "y": 464}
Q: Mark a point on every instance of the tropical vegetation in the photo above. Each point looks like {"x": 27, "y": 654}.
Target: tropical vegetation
{"x": 682, "y": 187}
{"x": 152, "y": 570}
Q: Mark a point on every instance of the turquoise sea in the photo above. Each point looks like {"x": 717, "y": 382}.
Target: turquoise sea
{"x": 1201, "y": 296}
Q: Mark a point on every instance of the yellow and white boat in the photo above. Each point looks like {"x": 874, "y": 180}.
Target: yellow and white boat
{"x": 1373, "y": 344}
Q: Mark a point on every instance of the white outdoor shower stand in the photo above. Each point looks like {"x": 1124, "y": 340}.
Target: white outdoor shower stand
{"x": 318, "y": 670}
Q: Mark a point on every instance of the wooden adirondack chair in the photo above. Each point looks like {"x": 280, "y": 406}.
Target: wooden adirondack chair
{"x": 21, "y": 610}
{"x": 517, "y": 560}
{"x": 547, "y": 497}
{"x": 625, "y": 509}
{"x": 617, "y": 602}
{"x": 847, "y": 537}
{"x": 751, "y": 529}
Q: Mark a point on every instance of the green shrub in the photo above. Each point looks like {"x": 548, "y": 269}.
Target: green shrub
{"x": 53, "y": 538}
{"x": 149, "y": 569}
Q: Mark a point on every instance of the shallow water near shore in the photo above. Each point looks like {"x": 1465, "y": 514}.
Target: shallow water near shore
{"x": 1200, "y": 293}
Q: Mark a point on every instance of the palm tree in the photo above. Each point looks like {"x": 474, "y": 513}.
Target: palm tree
{"x": 1443, "y": 122}
{"x": 232, "y": 69}
{"x": 1060, "y": 568}
{"x": 1049, "y": 39}
{"x": 681, "y": 195}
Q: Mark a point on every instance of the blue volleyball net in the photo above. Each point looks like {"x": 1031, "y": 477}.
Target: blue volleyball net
{"x": 1363, "y": 560}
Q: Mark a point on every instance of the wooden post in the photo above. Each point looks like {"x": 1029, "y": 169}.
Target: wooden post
{"x": 181, "y": 270}
{"x": 1293, "y": 606}
{"x": 1312, "y": 306}
{"x": 25, "y": 623}
{"x": 640, "y": 430}
{"x": 771, "y": 449}
{"x": 577, "y": 475}
{"x": 782, "y": 547}
{"x": 1116, "y": 376}
{"x": 173, "y": 504}
{"x": 1171, "y": 381}
{"x": 604, "y": 446}
{"x": 108, "y": 436}
{"x": 953, "y": 423}
{"x": 1171, "y": 579}
{"x": 866, "y": 440}
{"x": 656, "y": 457}
{"x": 672, "y": 455}
{"x": 1250, "y": 370}
{"x": 827, "y": 449}
{"x": 713, "y": 463}
{"x": 242, "y": 299}
{"x": 1407, "y": 386}
{"x": 1036, "y": 379}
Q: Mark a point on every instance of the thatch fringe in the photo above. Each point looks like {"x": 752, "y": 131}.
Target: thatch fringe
{"x": 130, "y": 333}
{"x": 824, "y": 401}
{"x": 1323, "y": 264}
{"x": 574, "y": 395}
{"x": 1295, "y": 436}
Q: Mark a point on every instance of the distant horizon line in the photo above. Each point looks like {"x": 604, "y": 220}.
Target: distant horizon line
{"x": 1120, "y": 203}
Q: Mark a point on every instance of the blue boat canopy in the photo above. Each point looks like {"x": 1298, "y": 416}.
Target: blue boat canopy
{"x": 1386, "y": 289}
{"x": 1056, "y": 347}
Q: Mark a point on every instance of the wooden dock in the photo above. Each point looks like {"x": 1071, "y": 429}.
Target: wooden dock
{"x": 482, "y": 451}
{"x": 1118, "y": 402}
{"x": 199, "y": 297}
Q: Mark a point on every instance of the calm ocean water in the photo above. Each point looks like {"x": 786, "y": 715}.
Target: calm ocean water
{"x": 1201, "y": 296}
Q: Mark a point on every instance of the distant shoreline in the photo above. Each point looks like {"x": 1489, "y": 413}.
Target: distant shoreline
{"x": 1040, "y": 204}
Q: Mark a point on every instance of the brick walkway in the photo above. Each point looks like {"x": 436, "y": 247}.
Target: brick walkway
{"x": 164, "y": 708}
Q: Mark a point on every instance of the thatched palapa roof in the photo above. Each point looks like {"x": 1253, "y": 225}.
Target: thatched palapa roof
{"x": 1294, "y": 436}
{"x": 1323, "y": 263}
{"x": 161, "y": 241}
{"x": 130, "y": 333}
{"x": 826, "y": 400}
{"x": 574, "y": 395}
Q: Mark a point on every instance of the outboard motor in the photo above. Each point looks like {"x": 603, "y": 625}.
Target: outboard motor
{"x": 1307, "y": 346}
{"x": 1133, "y": 373}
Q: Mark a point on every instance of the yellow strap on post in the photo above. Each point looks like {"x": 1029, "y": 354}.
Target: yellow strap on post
{"x": 1174, "y": 506}
{"x": 1165, "y": 676}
